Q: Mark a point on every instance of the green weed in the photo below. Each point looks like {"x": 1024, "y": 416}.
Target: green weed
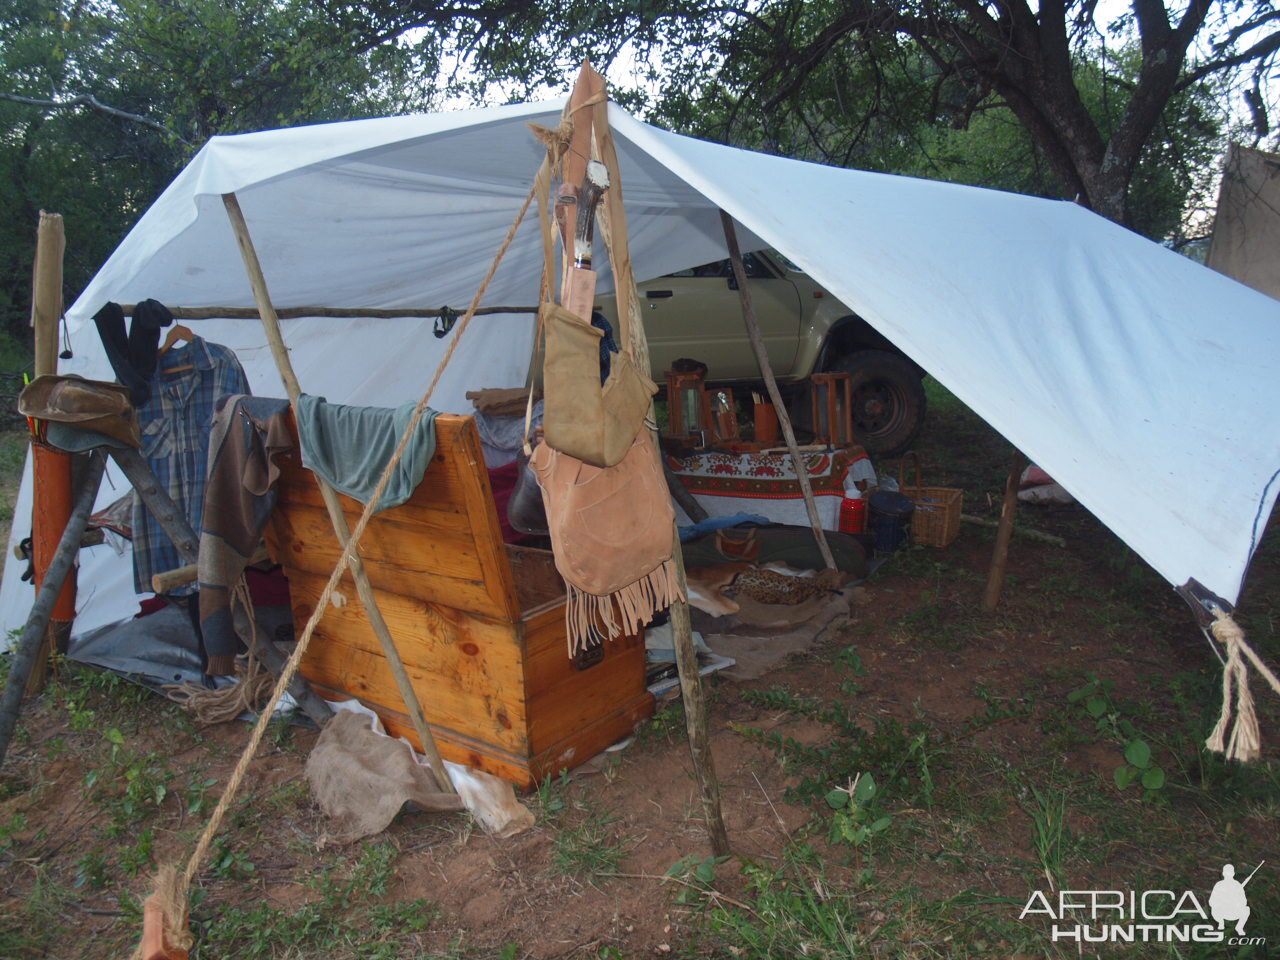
{"x": 858, "y": 815}
{"x": 228, "y": 863}
{"x": 1049, "y": 831}
{"x": 898, "y": 758}
{"x": 129, "y": 785}
{"x": 339, "y": 924}
{"x": 1139, "y": 768}
{"x": 590, "y": 846}
{"x": 551, "y": 797}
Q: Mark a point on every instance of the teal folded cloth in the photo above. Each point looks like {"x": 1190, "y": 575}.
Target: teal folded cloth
{"x": 351, "y": 446}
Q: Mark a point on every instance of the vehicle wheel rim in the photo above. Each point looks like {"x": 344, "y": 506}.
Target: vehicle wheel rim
{"x": 879, "y": 408}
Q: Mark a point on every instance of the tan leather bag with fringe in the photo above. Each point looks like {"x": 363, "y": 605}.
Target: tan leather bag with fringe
{"x": 611, "y": 532}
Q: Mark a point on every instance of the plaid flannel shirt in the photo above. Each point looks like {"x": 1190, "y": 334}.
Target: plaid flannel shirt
{"x": 175, "y": 426}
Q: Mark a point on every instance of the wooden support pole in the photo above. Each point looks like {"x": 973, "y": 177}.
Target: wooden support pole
{"x": 695, "y": 713}
{"x": 157, "y": 502}
{"x": 271, "y": 324}
{"x": 30, "y": 645}
{"x": 679, "y": 493}
{"x": 1004, "y": 531}
{"x": 190, "y": 572}
{"x": 46, "y": 291}
{"x": 766, "y": 370}
{"x": 52, "y": 468}
{"x": 613, "y": 223}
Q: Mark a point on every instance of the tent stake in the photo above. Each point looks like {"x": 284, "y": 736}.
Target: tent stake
{"x": 54, "y": 486}
{"x": 364, "y": 588}
{"x": 766, "y": 369}
{"x": 1000, "y": 556}
{"x": 29, "y": 647}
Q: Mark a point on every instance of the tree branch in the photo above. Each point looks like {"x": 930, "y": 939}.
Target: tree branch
{"x": 1264, "y": 47}
{"x": 89, "y": 100}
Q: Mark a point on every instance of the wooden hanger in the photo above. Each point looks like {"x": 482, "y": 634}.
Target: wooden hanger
{"x": 178, "y": 332}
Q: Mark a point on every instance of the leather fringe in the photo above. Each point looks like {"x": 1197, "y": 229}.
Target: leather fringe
{"x": 590, "y": 619}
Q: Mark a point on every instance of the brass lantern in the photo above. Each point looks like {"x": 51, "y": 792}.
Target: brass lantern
{"x": 687, "y": 406}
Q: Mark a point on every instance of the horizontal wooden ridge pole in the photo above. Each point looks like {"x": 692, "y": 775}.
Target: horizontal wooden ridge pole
{"x": 295, "y": 313}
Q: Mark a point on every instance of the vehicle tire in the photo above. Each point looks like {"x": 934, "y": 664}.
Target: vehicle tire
{"x": 888, "y": 400}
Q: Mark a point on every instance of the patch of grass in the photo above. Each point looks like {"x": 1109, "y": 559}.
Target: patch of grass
{"x": 128, "y": 785}
{"x": 31, "y": 927}
{"x": 896, "y": 756}
{"x": 790, "y": 911}
{"x": 1047, "y": 810}
{"x": 660, "y": 730}
{"x": 589, "y": 847}
{"x": 343, "y": 922}
{"x": 551, "y": 798}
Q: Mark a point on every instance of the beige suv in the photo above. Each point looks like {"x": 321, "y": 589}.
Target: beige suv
{"x": 696, "y": 313}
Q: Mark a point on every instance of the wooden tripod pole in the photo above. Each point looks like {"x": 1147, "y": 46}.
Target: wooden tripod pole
{"x": 614, "y": 228}
{"x": 29, "y": 648}
{"x": 695, "y": 711}
{"x": 54, "y": 486}
{"x": 1000, "y": 555}
{"x": 766, "y": 369}
{"x": 271, "y": 324}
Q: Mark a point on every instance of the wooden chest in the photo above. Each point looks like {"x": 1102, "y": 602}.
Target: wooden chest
{"x": 479, "y": 624}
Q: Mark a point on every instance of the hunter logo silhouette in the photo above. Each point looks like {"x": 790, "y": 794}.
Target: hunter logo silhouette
{"x": 1228, "y": 901}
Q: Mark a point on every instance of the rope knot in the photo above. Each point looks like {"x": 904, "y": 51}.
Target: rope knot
{"x": 1245, "y": 740}
{"x": 555, "y": 140}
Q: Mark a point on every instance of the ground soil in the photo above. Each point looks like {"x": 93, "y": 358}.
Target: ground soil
{"x": 932, "y": 659}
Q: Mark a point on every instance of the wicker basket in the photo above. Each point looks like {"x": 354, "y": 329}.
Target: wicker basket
{"x": 936, "y": 521}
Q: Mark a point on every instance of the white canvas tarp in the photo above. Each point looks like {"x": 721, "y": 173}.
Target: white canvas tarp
{"x": 1142, "y": 382}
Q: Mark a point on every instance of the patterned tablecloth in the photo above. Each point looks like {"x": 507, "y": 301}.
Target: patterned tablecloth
{"x": 766, "y": 483}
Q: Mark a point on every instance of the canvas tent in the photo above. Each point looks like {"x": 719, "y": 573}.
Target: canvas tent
{"x": 1142, "y": 382}
{"x": 1246, "y": 229}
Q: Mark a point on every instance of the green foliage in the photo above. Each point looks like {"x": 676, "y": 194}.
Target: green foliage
{"x": 897, "y": 758}
{"x": 660, "y": 729}
{"x": 590, "y": 846}
{"x": 857, "y": 815}
{"x": 129, "y": 785}
{"x": 1096, "y": 701}
{"x": 16, "y": 824}
{"x": 184, "y": 71}
{"x": 92, "y": 871}
{"x": 794, "y": 912}
{"x": 552, "y": 797}
{"x": 340, "y": 923}
{"x": 228, "y": 863}
{"x": 1048, "y": 813}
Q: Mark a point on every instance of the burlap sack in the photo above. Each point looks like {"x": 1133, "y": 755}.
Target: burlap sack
{"x": 362, "y": 778}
